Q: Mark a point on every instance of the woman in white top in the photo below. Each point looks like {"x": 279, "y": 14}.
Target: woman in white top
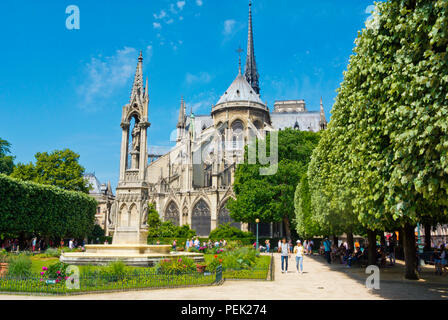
{"x": 298, "y": 250}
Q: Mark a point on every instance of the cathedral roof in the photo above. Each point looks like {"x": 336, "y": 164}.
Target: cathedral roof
{"x": 309, "y": 120}
{"x": 97, "y": 187}
{"x": 240, "y": 90}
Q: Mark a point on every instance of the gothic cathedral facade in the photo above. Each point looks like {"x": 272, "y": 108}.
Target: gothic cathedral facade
{"x": 192, "y": 183}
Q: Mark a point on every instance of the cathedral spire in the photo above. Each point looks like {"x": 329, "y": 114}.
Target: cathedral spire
{"x": 251, "y": 72}
{"x": 323, "y": 120}
{"x": 181, "y": 120}
{"x": 137, "y": 87}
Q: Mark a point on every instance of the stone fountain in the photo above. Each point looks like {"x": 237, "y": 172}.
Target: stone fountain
{"x": 127, "y": 249}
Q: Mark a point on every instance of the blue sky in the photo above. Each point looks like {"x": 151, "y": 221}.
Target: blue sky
{"x": 63, "y": 88}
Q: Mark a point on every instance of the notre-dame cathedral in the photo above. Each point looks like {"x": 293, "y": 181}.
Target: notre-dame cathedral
{"x": 192, "y": 183}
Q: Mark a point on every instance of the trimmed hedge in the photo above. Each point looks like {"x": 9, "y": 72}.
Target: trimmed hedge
{"x": 226, "y": 231}
{"x": 28, "y": 207}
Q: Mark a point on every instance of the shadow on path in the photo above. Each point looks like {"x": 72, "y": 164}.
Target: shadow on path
{"x": 393, "y": 285}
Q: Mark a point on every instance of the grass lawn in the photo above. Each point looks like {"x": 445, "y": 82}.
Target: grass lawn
{"x": 258, "y": 271}
{"x": 39, "y": 262}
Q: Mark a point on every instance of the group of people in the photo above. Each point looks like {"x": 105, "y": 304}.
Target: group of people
{"x": 439, "y": 256}
{"x": 346, "y": 255}
{"x": 37, "y": 245}
{"x": 196, "y": 243}
{"x": 34, "y": 244}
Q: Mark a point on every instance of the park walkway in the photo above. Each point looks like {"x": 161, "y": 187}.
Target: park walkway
{"x": 320, "y": 281}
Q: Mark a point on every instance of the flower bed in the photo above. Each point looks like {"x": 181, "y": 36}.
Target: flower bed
{"x": 241, "y": 263}
{"x": 105, "y": 283}
{"x": 55, "y": 279}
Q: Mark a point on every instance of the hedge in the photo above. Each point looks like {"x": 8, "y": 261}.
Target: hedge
{"x": 28, "y": 207}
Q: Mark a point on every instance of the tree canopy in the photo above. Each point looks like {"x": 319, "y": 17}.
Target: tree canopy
{"x": 166, "y": 229}
{"x": 270, "y": 197}
{"x": 6, "y": 161}
{"x": 59, "y": 168}
{"x": 383, "y": 160}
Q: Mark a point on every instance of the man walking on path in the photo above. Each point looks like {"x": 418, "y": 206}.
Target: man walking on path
{"x": 284, "y": 249}
{"x": 327, "y": 249}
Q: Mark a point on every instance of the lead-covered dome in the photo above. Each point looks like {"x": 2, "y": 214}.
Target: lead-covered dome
{"x": 240, "y": 90}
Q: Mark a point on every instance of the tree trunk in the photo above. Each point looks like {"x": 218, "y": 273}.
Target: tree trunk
{"x": 350, "y": 242}
{"x": 410, "y": 252}
{"x": 335, "y": 240}
{"x": 427, "y": 237}
{"x": 287, "y": 227}
{"x": 383, "y": 239}
{"x": 371, "y": 249}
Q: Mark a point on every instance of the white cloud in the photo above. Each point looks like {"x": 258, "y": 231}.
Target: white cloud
{"x": 157, "y": 25}
{"x": 202, "y": 102}
{"x": 199, "y": 2}
{"x": 104, "y": 75}
{"x": 229, "y": 26}
{"x": 161, "y": 15}
{"x": 202, "y": 77}
{"x": 170, "y": 21}
{"x": 173, "y": 8}
{"x": 148, "y": 53}
{"x": 180, "y": 4}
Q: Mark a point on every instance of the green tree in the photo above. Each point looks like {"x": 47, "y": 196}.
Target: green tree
{"x": 6, "y": 161}
{"x": 226, "y": 231}
{"x": 270, "y": 198}
{"x": 153, "y": 221}
{"x": 28, "y": 208}
{"x": 389, "y": 126}
{"x": 306, "y": 226}
{"x": 165, "y": 229}
{"x": 59, "y": 168}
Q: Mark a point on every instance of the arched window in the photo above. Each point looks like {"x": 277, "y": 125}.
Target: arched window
{"x": 172, "y": 213}
{"x": 224, "y": 217}
{"x": 133, "y": 143}
{"x": 201, "y": 218}
{"x": 237, "y": 134}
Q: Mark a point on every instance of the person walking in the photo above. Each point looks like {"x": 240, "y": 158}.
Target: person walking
{"x": 391, "y": 249}
{"x": 174, "y": 245}
{"x": 187, "y": 245}
{"x": 284, "y": 250}
{"x": 268, "y": 245}
{"x": 327, "y": 250}
{"x": 34, "y": 243}
{"x": 299, "y": 250}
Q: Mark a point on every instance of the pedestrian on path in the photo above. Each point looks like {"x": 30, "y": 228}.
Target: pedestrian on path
{"x": 327, "y": 249}
{"x": 268, "y": 246}
{"x": 284, "y": 250}
{"x": 298, "y": 250}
